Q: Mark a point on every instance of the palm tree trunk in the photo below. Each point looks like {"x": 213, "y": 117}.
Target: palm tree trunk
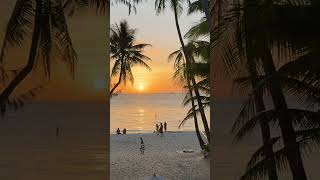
{"x": 188, "y": 63}
{"x": 31, "y": 61}
{"x": 266, "y": 137}
{"x": 288, "y": 133}
{"x": 120, "y": 77}
{"x": 260, "y": 106}
{"x": 196, "y": 126}
{"x": 116, "y": 85}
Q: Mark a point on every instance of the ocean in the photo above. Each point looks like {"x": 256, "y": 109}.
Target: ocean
{"x": 30, "y": 148}
{"x": 139, "y": 113}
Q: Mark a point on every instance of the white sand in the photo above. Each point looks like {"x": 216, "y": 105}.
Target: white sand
{"x": 161, "y": 156}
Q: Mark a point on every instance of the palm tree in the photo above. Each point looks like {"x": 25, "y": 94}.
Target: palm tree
{"x": 291, "y": 81}
{"x": 247, "y": 62}
{"x": 47, "y": 21}
{"x": 49, "y": 33}
{"x": 280, "y": 104}
{"x": 183, "y": 75}
{"x": 273, "y": 77}
{"x": 176, "y": 6}
{"x": 125, "y": 53}
{"x": 306, "y": 123}
{"x": 254, "y": 106}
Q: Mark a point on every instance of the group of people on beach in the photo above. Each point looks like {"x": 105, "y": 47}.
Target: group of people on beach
{"x": 161, "y": 128}
{"x": 123, "y": 132}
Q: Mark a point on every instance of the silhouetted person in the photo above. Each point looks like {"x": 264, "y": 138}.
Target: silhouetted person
{"x": 124, "y": 131}
{"x": 161, "y": 130}
{"x": 118, "y": 131}
{"x": 157, "y": 129}
{"x": 142, "y": 146}
{"x": 57, "y": 131}
{"x": 165, "y": 126}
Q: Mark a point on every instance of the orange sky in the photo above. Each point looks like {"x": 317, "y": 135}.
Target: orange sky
{"x": 159, "y": 80}
{"x": 160, "y": 32}
{"x": 89, "y": 35}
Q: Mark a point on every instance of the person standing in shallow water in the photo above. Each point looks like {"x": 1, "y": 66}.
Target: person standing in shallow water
{"x": 141, "y": 146}
{"x": 161, "y": 130}
{"x": 165, "y": 126}
{"x": 157, "y": 129}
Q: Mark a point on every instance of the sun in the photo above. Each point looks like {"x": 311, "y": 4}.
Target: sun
{"x": 141, "y": 87}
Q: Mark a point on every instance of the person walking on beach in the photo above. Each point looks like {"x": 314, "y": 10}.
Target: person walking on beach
{"x": 124, "y": 131}
{"x": 118, "y": 131}
{"x": 165, "y": 126}
{"x": 142, "y": 146}
{"x": 157, "y": 129}
{"x": 161, "y": 130}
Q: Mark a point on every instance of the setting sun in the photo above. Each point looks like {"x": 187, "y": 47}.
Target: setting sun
{"x": 141, "y": 87}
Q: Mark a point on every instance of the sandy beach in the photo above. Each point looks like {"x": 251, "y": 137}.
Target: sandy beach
{"x": 163, "y": 156}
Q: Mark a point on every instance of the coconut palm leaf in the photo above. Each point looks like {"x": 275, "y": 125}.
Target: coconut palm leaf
{"x": 70, "y": 6}
{"x": 46, "y": 37}
{"x": 246, "y": 130}
{"x": 19, "y": 26}
{"x": 260, "y": 153}
{"x": 161, "y": 5}
{"x": 260, "y": 169}
{"x": 195, "y": 7}
{"x": 257, "y": 166}
{"x": 199, "y": 30}
{"x": 309, "y": 140}
{"x": 305, "y": 92}
{"x": 17, "y": 30}
{"x": 304, "y": 119}
{"x": 131, "y": 4}
{"x": 191, "y": 114}
{"x": 247, "y": 112}
{"x": 62, "y": 39}
{"x": 187, "y": 100}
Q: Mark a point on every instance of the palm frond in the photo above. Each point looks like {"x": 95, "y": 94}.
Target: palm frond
{"x": 246, "y": 130}
{"x": 46, "y": 38}
{"x": 201, "y": 29}
{"x": 260, "y": 153}
{"x": 260, "y": 169}
{"x": 131, "y": 4}
{"x": 19, "y": 26}
{"x": 62, "y": 38}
